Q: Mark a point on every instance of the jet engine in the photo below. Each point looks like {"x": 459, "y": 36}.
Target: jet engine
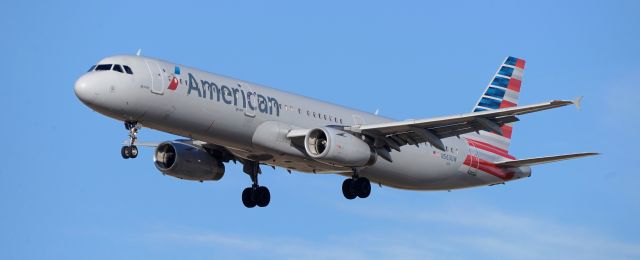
{"x": 337, "y": 147}
{"x": 187, "y": 161}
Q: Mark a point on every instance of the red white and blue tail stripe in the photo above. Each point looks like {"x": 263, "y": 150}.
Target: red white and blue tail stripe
{"x": 503, "y": 91}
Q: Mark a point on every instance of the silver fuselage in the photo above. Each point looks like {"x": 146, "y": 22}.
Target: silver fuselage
{"x": 219, "y": 110}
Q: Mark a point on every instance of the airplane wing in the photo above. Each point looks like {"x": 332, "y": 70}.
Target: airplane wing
{"x": 396, "y": 134}
{"x": 541, "y": 160}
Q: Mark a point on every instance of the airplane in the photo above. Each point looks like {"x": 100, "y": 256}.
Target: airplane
{"x": 225, "y": 119}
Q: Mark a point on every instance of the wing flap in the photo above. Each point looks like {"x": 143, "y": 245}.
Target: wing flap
{"x": 503, "y": 115}
{"x": 412, "y": 131}
{"x": 541, "y": 160}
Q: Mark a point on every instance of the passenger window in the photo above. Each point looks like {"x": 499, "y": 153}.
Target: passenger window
{"x": 325, "y": 117}
{"x": 340, "y": 120}
{"x": 118, "y": 68}
{"x": 127, "y": 69}
{"x": 103, "y": 67}
{"x": 314, "y": 114}
{"x": 91, "y": 69}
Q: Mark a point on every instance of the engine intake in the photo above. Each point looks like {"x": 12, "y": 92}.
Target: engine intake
{"x": 337, "y": 147}
{"x": 187, "y": 161}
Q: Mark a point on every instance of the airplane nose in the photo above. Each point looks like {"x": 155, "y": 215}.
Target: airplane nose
{"x": 83, "y": 90}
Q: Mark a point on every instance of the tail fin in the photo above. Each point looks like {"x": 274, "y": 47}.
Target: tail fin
{"x": 503, "y": 91}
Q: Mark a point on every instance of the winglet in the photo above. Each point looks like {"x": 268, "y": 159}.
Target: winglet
{"x": 578, "y": 102}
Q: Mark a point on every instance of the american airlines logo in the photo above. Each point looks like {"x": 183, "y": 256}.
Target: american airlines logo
{"x": 235, "y": 96}
{"x": 174, "y": 83}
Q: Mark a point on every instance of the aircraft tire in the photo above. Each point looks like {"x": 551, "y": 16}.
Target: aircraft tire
{"x": 262, "y": 196}
{"x": 125, "y": 152}
{"x": 247, "y": 198}
{"x": 362, "y": 187}
{"x": 133, "y": 151}
{"x": 347, "y": 189}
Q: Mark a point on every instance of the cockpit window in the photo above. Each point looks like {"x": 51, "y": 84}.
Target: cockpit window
{"x": 91, "y": 69}
{"x": 103, "y": 67}
{"x": 127, "y": 69}
{"x": 118, "y": 68}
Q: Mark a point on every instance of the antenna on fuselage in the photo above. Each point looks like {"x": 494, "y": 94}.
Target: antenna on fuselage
{"x": 377, "y": 111}
{"x": 138, "y": 52}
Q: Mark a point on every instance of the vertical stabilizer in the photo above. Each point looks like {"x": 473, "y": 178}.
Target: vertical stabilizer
{"x": 503, "y": 91}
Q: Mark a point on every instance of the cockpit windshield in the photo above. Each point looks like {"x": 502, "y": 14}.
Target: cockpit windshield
{"x": 103, "y": 67}
{"x": 118, "y": 68}
{"x": 114, "y": 67}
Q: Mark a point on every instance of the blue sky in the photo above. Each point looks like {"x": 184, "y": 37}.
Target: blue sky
{"x": 65, "y": 192}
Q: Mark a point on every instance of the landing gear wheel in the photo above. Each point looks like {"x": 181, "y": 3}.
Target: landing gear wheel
{"x": 347, "y": 189}
{"x": 362, "y": 187}
{"x": 255, "y": 195}
{"x": 133, "y": 151}
{"x": 129, "y": 152}
{"x": 125, "y": 152}
{"x": 262, "y": 196}
{"x": 247, "y": 198}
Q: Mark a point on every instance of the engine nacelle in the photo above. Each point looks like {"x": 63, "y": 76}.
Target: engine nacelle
{"x": 338, "y": 147}
{"x": 187, "y": 161}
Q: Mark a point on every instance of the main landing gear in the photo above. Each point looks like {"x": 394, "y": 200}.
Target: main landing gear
{"x": 131, "y": 151}
{"x": 255, "y": 195}
{"x": 356, "y": 187}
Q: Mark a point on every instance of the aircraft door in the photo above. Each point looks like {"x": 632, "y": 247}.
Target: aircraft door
{"x": 475, "y": 161}
{"x": 157, "y": 77}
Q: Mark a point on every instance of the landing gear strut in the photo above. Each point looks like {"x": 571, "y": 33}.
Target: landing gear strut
{"x": 131, "y": 151}
{"x": 356, "y": 186}
{"x": 255, "y": 195}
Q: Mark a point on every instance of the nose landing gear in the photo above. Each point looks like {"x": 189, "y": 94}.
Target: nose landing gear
{"x": 131, "y": 151}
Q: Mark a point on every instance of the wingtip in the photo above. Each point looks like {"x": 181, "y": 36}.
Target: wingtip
{"x": 578, "y": 102}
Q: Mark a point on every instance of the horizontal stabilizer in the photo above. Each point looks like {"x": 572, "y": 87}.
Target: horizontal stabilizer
{"x": 541, "y": 160}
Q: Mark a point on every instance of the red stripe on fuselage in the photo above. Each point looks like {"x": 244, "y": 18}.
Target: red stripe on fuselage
{"x": 490, "y": 148}
{"x": 488, "y": 167}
